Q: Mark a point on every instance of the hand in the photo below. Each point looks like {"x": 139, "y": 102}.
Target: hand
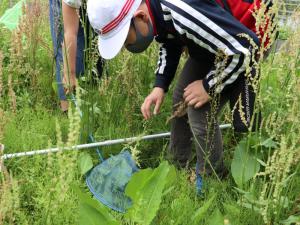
{"x": 195, "y": 94}
{"x": 70, "y": 83}
{"x": 156, "y": 97}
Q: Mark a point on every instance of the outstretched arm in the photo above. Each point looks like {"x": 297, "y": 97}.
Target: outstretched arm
{"x": 169, "y": 56}
{"x": 71, "y": 24}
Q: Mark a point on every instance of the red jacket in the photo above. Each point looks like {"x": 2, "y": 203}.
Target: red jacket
{"x": 242, "y": 10}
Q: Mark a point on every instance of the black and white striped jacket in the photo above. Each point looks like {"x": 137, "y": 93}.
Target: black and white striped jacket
{"x": 205, "y": 29}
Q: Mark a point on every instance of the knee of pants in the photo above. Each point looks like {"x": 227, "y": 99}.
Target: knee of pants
{"x": 201, "y": 120}
{"x": 198, "y": 127}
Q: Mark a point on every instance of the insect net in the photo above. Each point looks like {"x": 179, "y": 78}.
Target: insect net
{"x": 107, "y": 181}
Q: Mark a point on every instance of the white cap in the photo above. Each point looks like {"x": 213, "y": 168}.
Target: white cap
{"x": 111, "y": 20}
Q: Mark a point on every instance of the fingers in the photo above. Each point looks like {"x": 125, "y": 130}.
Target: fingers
{"x": 155, "y": 97}
{"x": 193, "y": 101}
{"x": 157, "y": 107}
{"x": 195, "y": 95}
{"x": 196, "y": 102}
{"x": 198, "y": 105}
{"x": 188, "y": 98}
{"x": 146, "y": 108}
{"x": 186, "y": 93}
{"x": 188, "y": 90}
{"x": 143, "y": 110}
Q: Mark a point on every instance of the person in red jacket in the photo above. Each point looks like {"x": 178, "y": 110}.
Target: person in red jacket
{"x": 243, "y": 11}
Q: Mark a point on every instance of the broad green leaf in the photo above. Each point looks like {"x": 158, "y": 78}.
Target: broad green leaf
{"x": 137, "y": 181}
{"x": 168, "y": 190}
{"x": 88, "y": 215}
{"x": 85, "y": 163}
{"x": 91, "y": 212}
{"x": 146, "y": 191}
{"x": 216, "y": 218}
{"x": 171, "y": 176}
{"x": 202, "y": 212}
{"x": 170, "y": 181}
{"x": 269, "y": 143}
{"x": 244, "y": 165}
{"x": 253, "y": 140}
{"x": 11, "y": 17}
{"x": 261, "y": 141}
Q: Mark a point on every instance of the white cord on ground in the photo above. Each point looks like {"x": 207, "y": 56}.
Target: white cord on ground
{"x": 92, "y": 145}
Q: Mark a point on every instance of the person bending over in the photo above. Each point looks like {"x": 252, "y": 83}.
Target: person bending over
{"x": 214, "y": 73}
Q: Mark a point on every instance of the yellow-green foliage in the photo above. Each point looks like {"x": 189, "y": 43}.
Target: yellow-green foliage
{"x": 37, "y": 190}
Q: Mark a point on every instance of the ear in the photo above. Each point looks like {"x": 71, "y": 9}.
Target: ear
{"x": 141, "y": 15}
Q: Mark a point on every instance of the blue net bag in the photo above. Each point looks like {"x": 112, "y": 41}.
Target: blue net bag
{"x": 107, "y": 181}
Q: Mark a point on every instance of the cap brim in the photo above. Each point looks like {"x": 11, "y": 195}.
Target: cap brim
{"x": 110, "y": 47}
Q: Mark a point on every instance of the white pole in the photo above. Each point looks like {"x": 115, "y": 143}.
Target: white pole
{"x": 92, "y": 145}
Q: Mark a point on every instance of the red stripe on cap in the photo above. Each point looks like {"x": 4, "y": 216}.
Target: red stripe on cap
{"x": 115, "y": 22}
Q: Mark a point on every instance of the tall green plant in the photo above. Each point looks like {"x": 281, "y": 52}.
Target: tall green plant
{"x": 244, "y": 165}
{"x": 146, "y": 191}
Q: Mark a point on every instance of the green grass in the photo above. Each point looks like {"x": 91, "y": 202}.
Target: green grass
{"x": 38, "y": 189}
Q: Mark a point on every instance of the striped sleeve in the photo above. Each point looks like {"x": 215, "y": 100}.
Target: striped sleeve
{"x": 211, "y": 27}
{"x": 169, "y": 56}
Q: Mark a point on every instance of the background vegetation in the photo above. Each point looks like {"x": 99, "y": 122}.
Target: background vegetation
{"x": 262, "y": 188}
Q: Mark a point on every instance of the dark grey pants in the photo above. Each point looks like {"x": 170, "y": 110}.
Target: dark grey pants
{"x": 202, "y": 124}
